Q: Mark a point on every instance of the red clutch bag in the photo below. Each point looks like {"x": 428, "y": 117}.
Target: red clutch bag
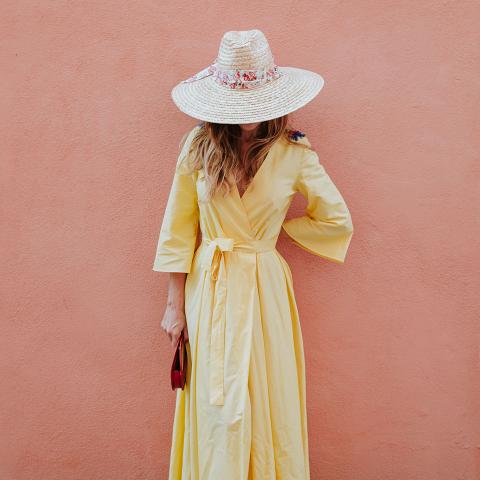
{"x": 179, "y": 365}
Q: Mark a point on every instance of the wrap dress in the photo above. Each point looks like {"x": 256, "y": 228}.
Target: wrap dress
{"x": 242, "y": 414}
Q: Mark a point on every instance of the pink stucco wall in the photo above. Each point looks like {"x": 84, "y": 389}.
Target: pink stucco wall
{"x": 89, "y": 138}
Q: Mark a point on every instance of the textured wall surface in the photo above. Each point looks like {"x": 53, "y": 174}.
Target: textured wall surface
{"x": 89, "y": 139}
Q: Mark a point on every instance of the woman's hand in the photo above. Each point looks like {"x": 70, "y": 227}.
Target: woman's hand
{"x": 174, "y": 320}
{"x": 173, "y": 323}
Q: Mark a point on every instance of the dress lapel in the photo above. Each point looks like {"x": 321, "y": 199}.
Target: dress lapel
{"x": 244, "y": 201}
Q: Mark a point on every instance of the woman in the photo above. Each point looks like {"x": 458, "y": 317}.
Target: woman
{"x": 242, "y": 414}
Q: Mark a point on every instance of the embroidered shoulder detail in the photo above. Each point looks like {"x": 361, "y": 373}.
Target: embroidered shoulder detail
{"x": 295, "y": 134}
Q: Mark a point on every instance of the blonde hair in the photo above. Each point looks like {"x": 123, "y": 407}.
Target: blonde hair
{"x": 216, "y": 149}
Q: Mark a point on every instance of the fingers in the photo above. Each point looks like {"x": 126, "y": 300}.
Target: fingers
{"x": 175, "y": 335}
{"x": 174, "y": 339}
{"x": 173, "y": 325}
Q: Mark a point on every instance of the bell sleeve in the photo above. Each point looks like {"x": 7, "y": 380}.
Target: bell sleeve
{"x": 326, "y": 227}
{"x": 179, "y": 229}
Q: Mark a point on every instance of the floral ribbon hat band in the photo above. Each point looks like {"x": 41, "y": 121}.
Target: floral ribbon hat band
{"x": 244, "y": 84}
{"x": 235, "y": 78}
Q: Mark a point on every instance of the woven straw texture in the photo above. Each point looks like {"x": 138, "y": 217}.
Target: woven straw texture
{"x": 205, "y": 99}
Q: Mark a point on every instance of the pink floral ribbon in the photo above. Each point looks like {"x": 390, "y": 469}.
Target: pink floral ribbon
{"x": 237, "y": 78}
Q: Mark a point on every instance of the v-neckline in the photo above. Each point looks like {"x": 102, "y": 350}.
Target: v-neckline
{"x": 252, "y": 181}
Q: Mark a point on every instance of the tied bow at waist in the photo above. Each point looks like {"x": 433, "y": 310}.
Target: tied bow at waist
{"x": 214, "y": 262}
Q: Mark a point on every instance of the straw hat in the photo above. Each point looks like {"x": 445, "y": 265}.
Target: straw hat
{"x": 244, "y": 85}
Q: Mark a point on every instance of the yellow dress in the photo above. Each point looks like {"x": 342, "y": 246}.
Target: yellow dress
{"x": 242, "y": 414}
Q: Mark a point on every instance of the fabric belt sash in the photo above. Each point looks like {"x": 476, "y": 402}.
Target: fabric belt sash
{"x": 214, "y": 262}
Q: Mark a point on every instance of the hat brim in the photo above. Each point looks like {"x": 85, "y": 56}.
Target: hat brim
{"x": 206, "y": 100}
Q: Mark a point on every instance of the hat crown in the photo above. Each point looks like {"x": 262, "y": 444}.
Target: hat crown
{"x": 244, "y": 49}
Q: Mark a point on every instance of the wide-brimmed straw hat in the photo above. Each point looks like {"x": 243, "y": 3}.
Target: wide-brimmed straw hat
{"x": 244, "y": 85}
